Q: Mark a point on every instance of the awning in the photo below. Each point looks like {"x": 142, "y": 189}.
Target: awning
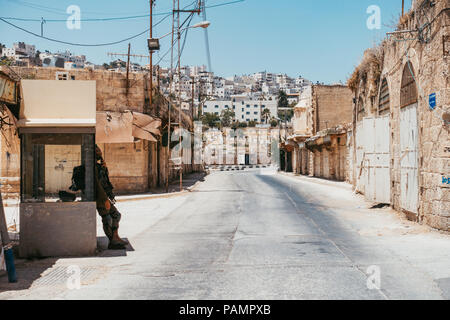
{"x": 125, "y": 127}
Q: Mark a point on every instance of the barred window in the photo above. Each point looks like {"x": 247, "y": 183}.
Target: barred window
{"x": 408, "y": 92}
{"x": 384, "y": 104}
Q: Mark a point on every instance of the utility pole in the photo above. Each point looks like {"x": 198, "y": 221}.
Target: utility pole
{"x": 285, "y": 142}
{"x": 180, "y": 125}
{"x": 128, "y": 55}
{"x": 403, "y": 8}
{"x": 192, "y": 98}
{"x": 42, "y": 26}
{"x": 150, "y": 96}
{"x": 128, "y": 68}
{"x": 170, "y": 101}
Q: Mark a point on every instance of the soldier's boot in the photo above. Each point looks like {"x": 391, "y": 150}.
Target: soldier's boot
{"x": 116, "y": 243}
{"x": 117, "y": 239}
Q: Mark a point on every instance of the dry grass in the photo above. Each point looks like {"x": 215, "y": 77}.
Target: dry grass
{"x": 371, "y": 63}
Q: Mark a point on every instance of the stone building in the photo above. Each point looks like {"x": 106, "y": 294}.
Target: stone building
{"x": 134, "y": 167}
{"x": 320, "y": 126}
{"x": 401, "y": 150}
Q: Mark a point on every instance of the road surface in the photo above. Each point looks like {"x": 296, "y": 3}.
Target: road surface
{"x": 247, "y": 235}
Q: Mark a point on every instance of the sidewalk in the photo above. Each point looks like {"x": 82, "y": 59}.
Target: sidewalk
{"x": 190, "y": 182}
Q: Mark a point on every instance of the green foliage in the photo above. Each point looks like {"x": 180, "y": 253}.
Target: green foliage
{"x": 265, "y": 114}
{"x": 274, "y": 123}
{"x": 4, "y": 61}
{"x": 286, "y": 115}
{"x": 227, "y": 118}
{"x": 211, "y": 120}
{"x": 252, "y": 124}
{"x": 282, "y": 99}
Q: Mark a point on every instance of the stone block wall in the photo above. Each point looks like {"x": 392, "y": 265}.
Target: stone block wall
{"x": 430, "y": 64}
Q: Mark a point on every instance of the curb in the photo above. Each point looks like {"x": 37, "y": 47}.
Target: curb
{"x": 161, "y": 196}
{"x": 325, "y": 182}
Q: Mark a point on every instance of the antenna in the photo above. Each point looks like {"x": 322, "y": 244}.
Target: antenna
{"x": 208, "y": 53}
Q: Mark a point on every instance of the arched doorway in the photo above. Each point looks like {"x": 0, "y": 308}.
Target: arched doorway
{"x": 409, "y": 197}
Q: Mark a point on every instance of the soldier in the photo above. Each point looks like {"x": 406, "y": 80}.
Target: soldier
{"x": 105, "y": 203}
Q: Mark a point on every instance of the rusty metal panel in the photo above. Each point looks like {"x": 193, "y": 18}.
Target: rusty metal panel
{"x": 409, "y": 198}
{"x": 8, "y": 90}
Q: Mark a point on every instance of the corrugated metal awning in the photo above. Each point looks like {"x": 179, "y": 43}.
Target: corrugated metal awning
{"x": 125, "y": 127}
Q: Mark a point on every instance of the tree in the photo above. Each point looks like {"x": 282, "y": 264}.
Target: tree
{"x": 252, "y": 124}
{"x": 273, "y": 123}
{"x": 282, "y": 100}
{"x": 265, "y": 114}
{"x": 283, "y": 103}
{"x": 227, "y": 117}
{"x": 211, "y": 120}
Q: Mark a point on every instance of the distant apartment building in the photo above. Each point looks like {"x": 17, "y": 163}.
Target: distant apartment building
{"x": 244, "y": 110}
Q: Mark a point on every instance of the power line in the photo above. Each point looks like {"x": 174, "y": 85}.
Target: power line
{"x": 113, "y": 18}
{"x": 81, "y": 44}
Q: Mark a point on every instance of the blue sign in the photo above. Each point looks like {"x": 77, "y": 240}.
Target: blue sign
{"x": 445, "y": 180}
{"x": 432, "y": 101}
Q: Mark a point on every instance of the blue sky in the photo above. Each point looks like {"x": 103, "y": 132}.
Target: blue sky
{"x": 321, "y": 40}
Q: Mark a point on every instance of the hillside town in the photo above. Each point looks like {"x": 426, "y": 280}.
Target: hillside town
{"x": 254, "y": 186}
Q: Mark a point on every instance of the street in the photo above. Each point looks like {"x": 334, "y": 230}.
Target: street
{"x": 247, "y": 235}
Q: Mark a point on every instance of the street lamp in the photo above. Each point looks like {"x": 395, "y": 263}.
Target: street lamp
{"x": 203, "y": 24}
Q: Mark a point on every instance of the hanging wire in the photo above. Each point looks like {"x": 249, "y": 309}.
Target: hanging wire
{"x": 83, "y": 44}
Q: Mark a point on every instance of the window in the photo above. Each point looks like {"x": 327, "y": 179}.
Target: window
{"x": 205, "y": 107}
{"x": 242, "y": 116}
{"x": 62, "y": 76}
{"x": 216, "y": 113}
{"x": 384, "y": 103}
{"x": 408, "y": 92}
{"x": 256, "y": 112}
{"x": 256, "y": 106}
{"x": 216, "y": 106}
{"x": 248, "y": 112}
{"x": 248, "y": 106}
{"x": 234, "y": 107}
{"x": 361, "y": 109}
{"x": 226, "y": 106}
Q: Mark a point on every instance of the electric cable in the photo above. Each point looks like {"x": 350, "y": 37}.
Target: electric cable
{"x": 82, "y": 44}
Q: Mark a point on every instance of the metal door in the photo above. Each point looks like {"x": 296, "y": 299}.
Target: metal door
{"x": 409, "y": 197}
{"x": 373, "y": 154}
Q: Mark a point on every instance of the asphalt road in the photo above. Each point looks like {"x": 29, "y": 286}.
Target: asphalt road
{"x": 244, "y": 235}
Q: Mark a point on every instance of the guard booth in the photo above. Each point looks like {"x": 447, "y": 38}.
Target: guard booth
{"x": 57, "y": 134}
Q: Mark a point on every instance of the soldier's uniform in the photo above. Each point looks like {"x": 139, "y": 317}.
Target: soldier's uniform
{"x": 111, "y": 217}
{"x": 105, "y": 197}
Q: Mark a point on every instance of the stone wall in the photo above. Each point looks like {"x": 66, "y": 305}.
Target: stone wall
{"x": 332, "y": 106}
{"x": 430, "y": 64}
